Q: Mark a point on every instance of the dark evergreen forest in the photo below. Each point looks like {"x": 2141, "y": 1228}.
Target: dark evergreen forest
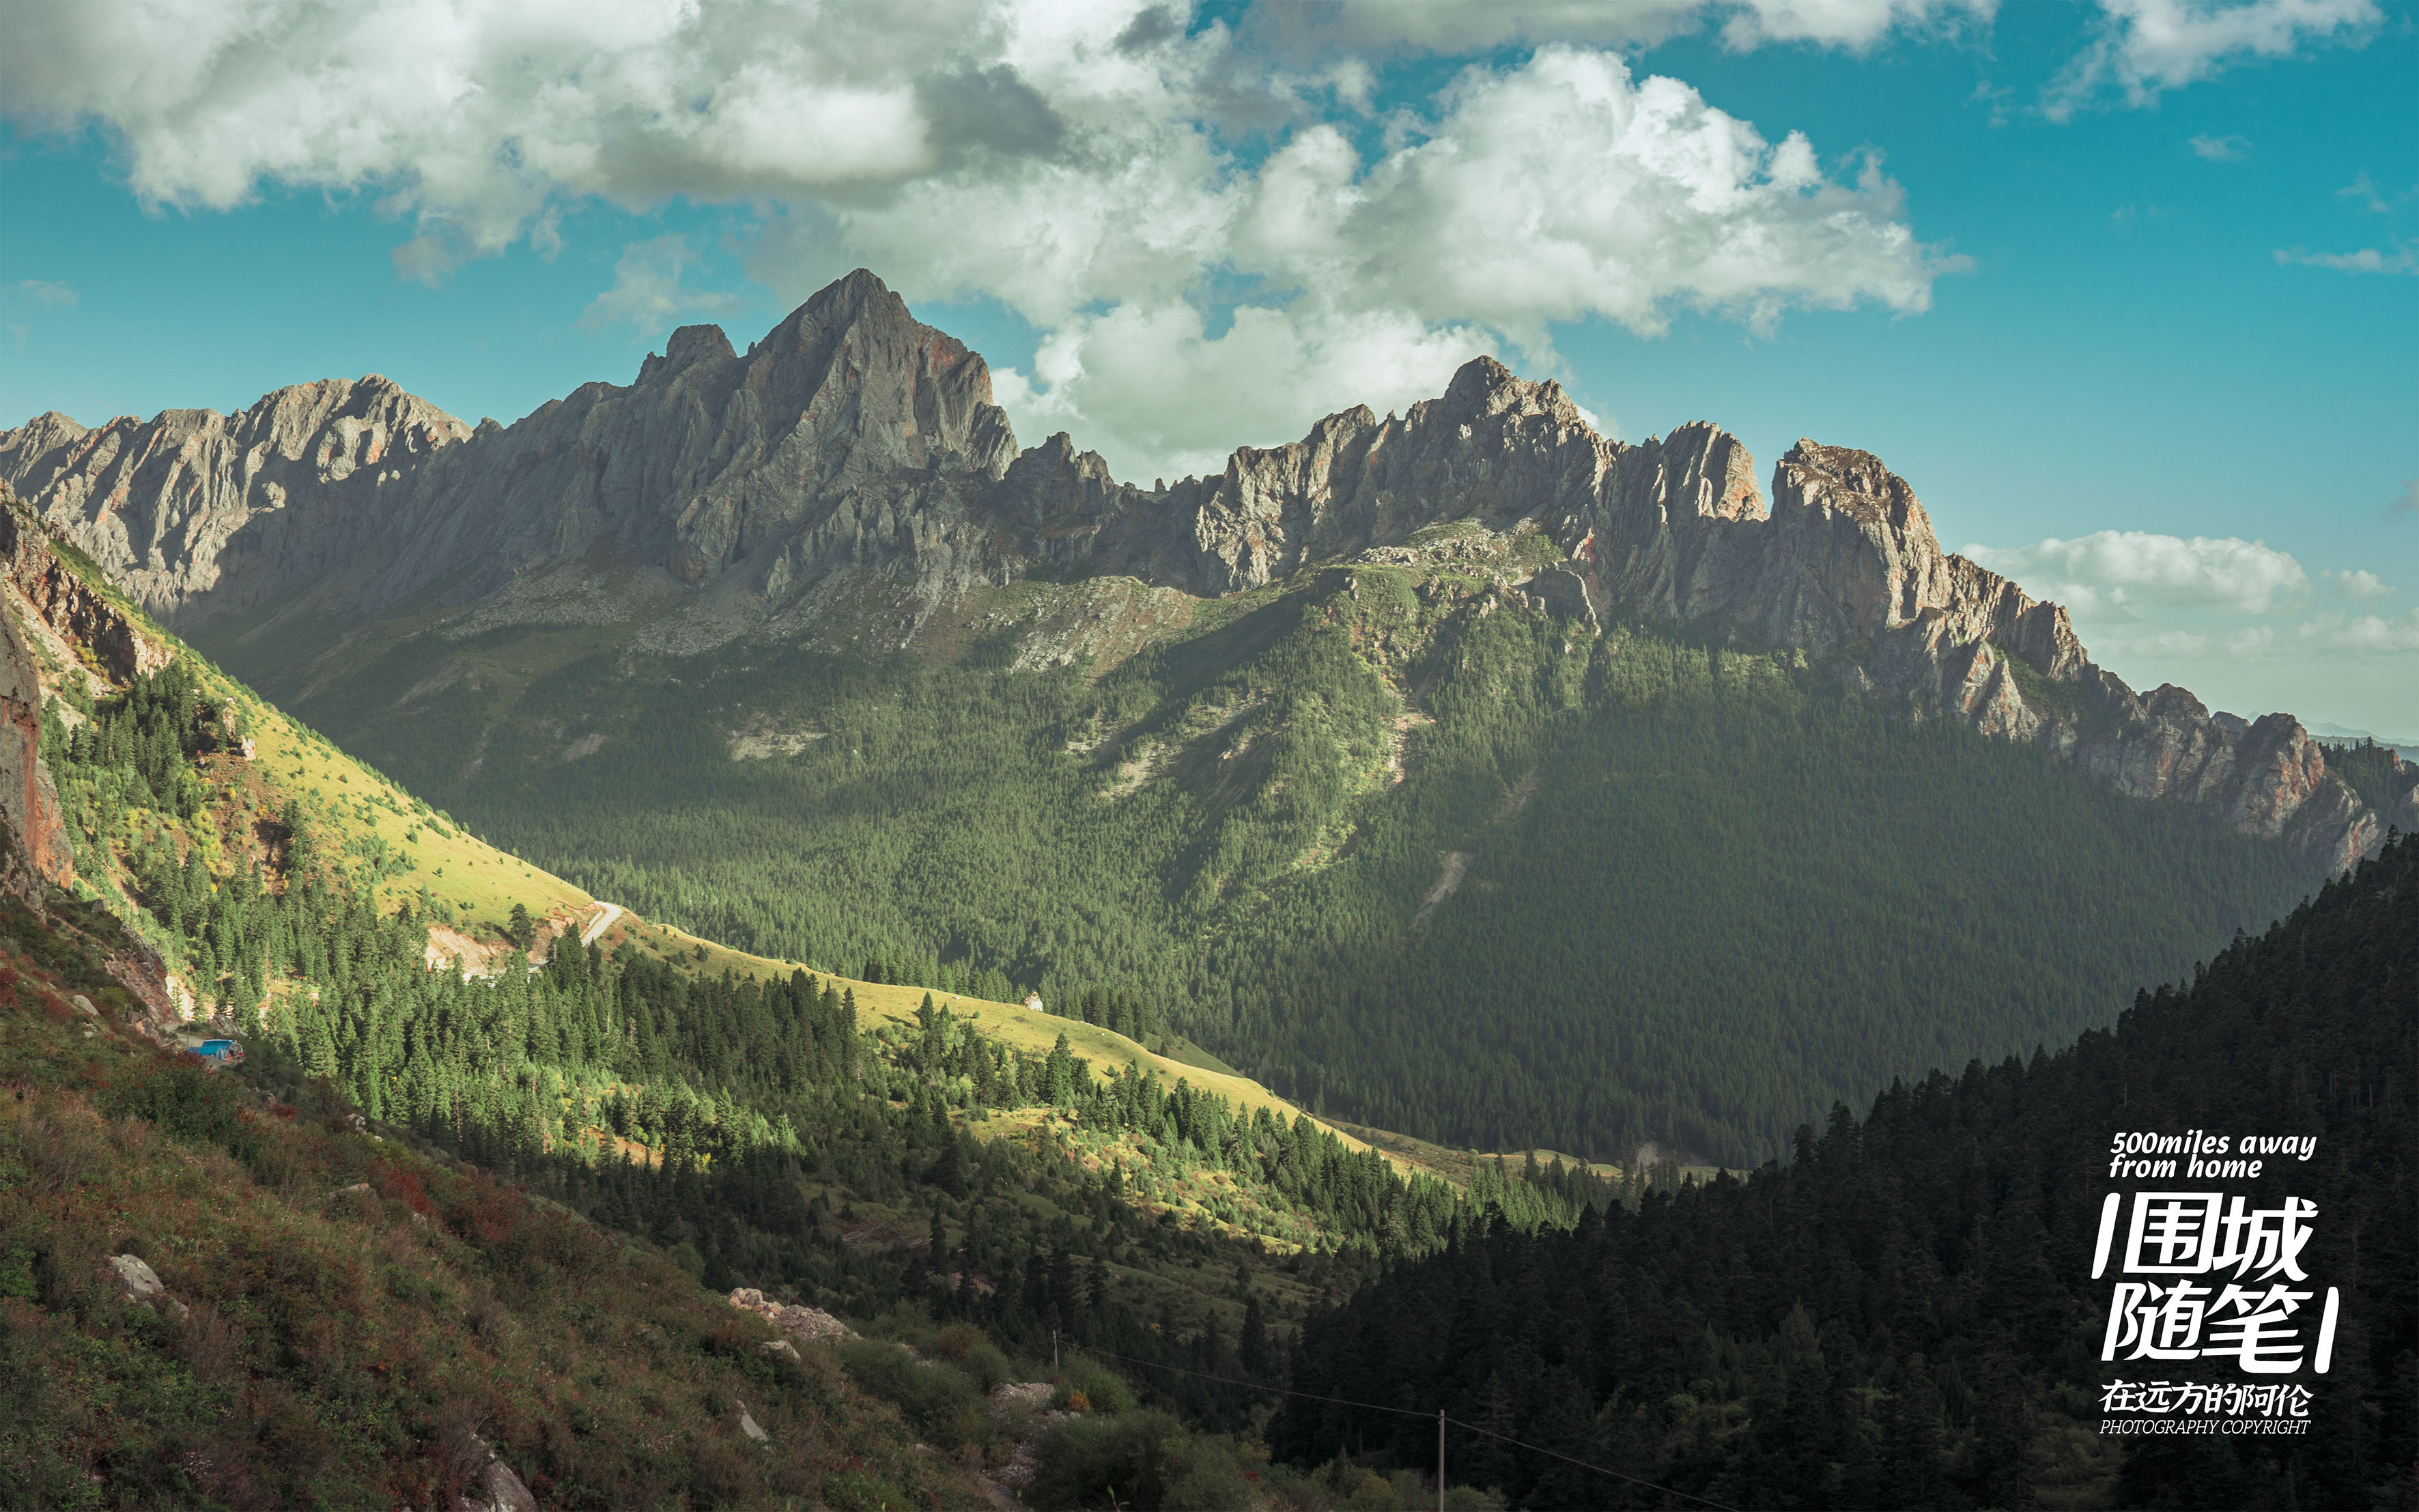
{"x": 1708, "y": 891}
{"x": 1903, "y": 1314}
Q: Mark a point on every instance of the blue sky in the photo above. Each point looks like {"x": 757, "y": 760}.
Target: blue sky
{"x": 2128, "y": 291}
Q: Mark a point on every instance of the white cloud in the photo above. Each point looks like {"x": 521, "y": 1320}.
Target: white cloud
{"x": 2146, "y": 47}
{"x": 41, "y": 291}
{"x": 647, "y": 293}
{"x": 2362, "y": 634}
{"x": 471, "y": 118}
{"x": 2221, "y": 149}
{"x": 2227, "y": 617}
{"x": 1071, "y": 161}
{"x": 2113, "y": 575}
{"x": 1145, "y": 382}
{"x": 2327, "y": 637}
{"x": 2404, "y": 259}
{"x": 1858, "y": 26}
{"x": 1462, "y": 27}
{"x": 1602, "y": 195}
{"x": 2357, "y": 584}
{"x": 2362, "y": 190}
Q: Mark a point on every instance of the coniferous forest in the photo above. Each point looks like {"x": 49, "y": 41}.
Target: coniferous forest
{"x": 1226, "y": 1304}
{"x": 1692, "y": 894}
{"x": 1900, "y": 1315}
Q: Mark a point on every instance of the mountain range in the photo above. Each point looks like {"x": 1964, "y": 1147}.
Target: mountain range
{"x": 1462, "y": 771}
{"x": 739, "y": 495}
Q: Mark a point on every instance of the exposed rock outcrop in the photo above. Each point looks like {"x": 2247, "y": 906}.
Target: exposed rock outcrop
{"x": 850, "y": 435}
{"x": 141, "y": 1286}
{"x": 157, "y": 503}
{"x": 852, "y": 440}
{"x": 67, "y": 605}
{"x": 811, "y": 1325}
{"x": 495, "y": 1486}
{"x": 34, "y": 852}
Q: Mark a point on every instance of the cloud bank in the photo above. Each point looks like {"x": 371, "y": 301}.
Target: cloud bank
{"x": 2142, "y": 597}
{"x": 2113, "y": 574}
{"x": 1220, "y": 236}
{"x": 1222, "y": 229}
{"x": 2148, "y": 47}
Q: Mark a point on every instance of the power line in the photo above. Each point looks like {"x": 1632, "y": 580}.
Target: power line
{"x": 1405, "y": 1411}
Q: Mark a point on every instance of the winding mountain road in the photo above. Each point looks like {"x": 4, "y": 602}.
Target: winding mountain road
{"x": 604, "y": 922}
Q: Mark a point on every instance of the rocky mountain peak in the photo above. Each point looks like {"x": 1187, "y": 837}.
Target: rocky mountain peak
{"x": 1483, "y": 388}
{"x": 688, "y": 345}
{"x": 852, "y": 439}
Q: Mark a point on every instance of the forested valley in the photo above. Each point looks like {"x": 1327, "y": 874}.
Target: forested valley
{"x": 1903, "y": 1314}
{"x": 1470, "y": 876}
{"x": 1887, "y": 1314}
{"x": 1004, "y": 1208}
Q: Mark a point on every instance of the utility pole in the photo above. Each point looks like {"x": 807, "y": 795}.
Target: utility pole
{"x": 1440, "y": 1459}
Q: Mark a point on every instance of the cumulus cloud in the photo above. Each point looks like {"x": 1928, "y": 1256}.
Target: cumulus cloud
{"x": 1076, "y": 162}
{"x": 648, "y": 291}
{"x": 2114, "y": 575}
{"x": 2357, "y": 584}
{"x": 1458, "y": 26}
{"x": 472, "y": 118}
{"x": 2404, "y": 259}
{"x": 2146, "y": 47}
{"x": 1854, "y": 24}
{"x": 2229, "y": 617}
{"x": 2221, "y": 149}
{"x": 1147, "y": 382}
{"x": 1601, "y": 194}
{"x": 2362, "y": 192}
{"x": 2320, "y": 641}
{"x": 2362, "y": 634}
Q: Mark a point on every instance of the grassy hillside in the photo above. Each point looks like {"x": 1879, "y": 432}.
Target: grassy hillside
{"x": 1380, "y": 838}
{"x": 998, "y": 1188}
{"x": 349, "y": 1323}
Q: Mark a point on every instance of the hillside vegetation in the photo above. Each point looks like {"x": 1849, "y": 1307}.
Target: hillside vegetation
{"x": 946, "y": 1170}
{"x": 1905, "y": 1315}
{"x": 1384, "y": 837}
{"x": 349, "y": 1323}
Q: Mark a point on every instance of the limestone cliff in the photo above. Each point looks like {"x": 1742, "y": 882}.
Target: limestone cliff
{"x": 732, "y": 490}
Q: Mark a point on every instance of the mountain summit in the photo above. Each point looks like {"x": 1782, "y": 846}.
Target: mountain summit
{"x": 722, "y": 495}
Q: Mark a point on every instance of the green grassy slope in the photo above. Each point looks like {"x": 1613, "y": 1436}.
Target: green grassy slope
{"x": 984, "y": 1182}
{"x": 1704, "y": 893}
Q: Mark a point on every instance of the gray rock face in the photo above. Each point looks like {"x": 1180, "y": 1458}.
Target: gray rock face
{"x": 158, "y": 502}
{"x": 850, "y": 434}
{"x": 854, "y": 439}
{"x": 141, "y": 1286}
